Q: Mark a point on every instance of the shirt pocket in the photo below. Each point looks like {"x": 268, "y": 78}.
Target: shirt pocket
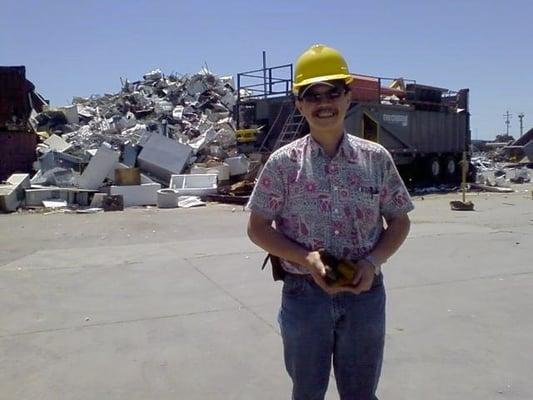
{"x": 365, "y": 202}
{"x": 310, "y": 204}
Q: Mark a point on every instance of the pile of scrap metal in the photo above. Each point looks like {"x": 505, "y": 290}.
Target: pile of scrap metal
{"x": 498, "y": 176}
{"x": 192, "y": 110}
{"x": 516, "y": 151}
{"x": 120, "y": 150}
{"x": 521, "y": 150}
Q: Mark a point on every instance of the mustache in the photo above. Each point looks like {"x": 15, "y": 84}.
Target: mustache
{"x": 325, "y": 109}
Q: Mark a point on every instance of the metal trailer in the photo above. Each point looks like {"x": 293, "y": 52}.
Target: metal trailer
{"x": 425, "y": 128}
{"x": 426, "y": 139}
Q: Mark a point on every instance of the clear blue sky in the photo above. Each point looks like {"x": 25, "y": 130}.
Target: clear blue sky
{"x": 78, "y": 48}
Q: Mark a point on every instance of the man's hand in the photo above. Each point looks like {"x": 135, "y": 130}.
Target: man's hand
{"x": 317, "y": 269}
{"x": 364, "y": 277}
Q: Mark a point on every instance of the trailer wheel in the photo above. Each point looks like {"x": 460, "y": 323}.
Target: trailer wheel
{"x": 434, "y": 169}
{"x": 451, "y": 168}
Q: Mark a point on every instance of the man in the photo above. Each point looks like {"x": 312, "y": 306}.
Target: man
{"x": 330, "y": 190}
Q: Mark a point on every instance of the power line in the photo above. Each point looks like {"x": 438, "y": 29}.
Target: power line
{"x": 507, "y": 117}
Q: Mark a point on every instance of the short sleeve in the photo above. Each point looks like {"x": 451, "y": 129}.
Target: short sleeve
{"x": 394, "y": 198}
{"x": 268, "y": 196}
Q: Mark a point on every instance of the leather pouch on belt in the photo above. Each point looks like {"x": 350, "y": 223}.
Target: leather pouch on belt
{"x": 278, "y": 273}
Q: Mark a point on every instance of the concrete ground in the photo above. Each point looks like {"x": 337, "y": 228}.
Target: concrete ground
{"x": 170, "y": 304}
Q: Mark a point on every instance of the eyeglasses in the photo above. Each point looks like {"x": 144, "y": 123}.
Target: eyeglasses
{"x": 312, "y": 97}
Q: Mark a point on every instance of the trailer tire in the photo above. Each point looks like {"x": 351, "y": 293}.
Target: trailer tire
{"x": 434, "y": 170}
{"x": 451, "y": 168}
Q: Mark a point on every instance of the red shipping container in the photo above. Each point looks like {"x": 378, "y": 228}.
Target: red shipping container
{"x": 17, "y": 153}
{"x": 364, "y": 88}
{"x": 367, "y": 89}
{"x": 14, "y": 95}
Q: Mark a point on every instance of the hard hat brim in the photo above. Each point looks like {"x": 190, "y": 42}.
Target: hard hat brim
{"x": 297, "y": 86}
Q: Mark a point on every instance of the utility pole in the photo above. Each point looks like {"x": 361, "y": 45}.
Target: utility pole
{"x": 521, "y": 117}
{"x": 507, "y": 117}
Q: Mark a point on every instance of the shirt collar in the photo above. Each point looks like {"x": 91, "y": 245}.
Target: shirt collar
{"x": 316, "y": 149}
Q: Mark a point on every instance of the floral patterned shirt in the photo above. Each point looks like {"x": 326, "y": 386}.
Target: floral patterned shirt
{"x": 332, "y": 203}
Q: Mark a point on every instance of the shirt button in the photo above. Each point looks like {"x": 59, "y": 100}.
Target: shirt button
{"x": 336, "y": 232}
{"x": 336, "y": 210}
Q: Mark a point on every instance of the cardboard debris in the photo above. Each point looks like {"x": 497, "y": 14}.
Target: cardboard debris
{"x": 242, "y": 188}
{"x": 127, "y": 176}
{"x": 119, "y": 165}
{"x": 238, "y": 193}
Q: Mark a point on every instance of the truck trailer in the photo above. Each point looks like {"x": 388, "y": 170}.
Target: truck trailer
{"x": 425, "y": 128}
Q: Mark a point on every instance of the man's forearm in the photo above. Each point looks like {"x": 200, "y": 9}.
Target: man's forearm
{"x": 391, "y": 238}
{"x": 276, "y": 243}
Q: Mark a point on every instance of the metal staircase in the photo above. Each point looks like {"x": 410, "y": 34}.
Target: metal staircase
{"x": 291, "y": 130}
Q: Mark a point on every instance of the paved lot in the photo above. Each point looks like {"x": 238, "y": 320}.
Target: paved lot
{"x": 170, "y": 304}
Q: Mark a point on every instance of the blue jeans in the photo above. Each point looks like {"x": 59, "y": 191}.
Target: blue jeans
{"x": 345, "y": 328}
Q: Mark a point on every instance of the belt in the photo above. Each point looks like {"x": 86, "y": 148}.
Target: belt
{"x": 378, "y": 279}
{"x": 307, "y": 277}
{"x": 278, "y": 272}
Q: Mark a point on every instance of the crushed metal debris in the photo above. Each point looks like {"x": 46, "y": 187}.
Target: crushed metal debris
{"x": 150, "y": 135}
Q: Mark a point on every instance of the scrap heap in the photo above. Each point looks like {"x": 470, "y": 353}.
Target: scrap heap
{"x": 188, "y": 109}
{"x": 156, "y": 132}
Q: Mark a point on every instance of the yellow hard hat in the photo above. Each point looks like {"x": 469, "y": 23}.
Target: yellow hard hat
{"x": 320, "y": 63}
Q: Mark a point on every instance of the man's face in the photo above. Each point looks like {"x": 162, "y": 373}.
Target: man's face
{"x": 324, "y": 106}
